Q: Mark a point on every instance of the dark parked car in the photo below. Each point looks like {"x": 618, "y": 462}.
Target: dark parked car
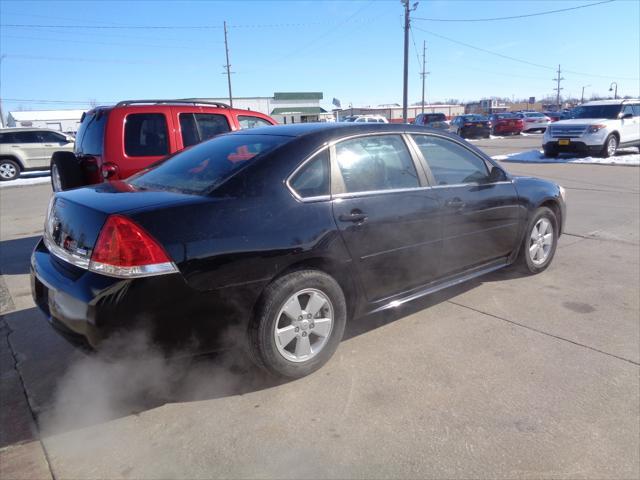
{"x": 506, "y": 124}
{"x": 283, "y": 233}
{"x": 471, "y": 126}
{"x": 432, "y": 120}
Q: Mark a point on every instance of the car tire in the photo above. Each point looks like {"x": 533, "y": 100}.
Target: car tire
{"x": 537, "y": 249}
{"x": 65, "y": 172}
{"x": 280, "y": 342}
{"x": 550, "y": 152}
{"x": 9, "y": 170}
{"x": 610, "y": 146}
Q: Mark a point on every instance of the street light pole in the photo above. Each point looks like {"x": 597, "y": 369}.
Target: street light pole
{"x": 615, "y": 94}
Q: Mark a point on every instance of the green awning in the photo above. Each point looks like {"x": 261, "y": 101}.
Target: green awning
{"x": 297, "y": 96}
{"x": 298, "y": 111}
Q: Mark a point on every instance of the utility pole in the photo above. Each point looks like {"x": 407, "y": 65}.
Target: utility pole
{"x": 1, "y": 114}
{"x": 228, "y": 67}
{"x": 424, "y": 72}
{"x": 582, "y": 96}
{"x": 558, "y": 79}
{"x": 405, "y": 84}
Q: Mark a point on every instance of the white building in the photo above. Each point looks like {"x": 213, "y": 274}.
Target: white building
{"x": 67, "y": 121}
{"x": 283, "y": 107}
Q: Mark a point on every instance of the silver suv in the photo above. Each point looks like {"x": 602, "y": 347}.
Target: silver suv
{"x": 24, "y": 149}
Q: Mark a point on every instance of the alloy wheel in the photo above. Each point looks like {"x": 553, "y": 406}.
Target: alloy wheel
{"x": 8, "y": 171}
{"x": 612, "y": 146}
{"x": 541, "y": 241}
{"x": 303, "y": 325}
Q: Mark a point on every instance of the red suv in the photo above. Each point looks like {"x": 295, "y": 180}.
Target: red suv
{"x": 116, "y": 142}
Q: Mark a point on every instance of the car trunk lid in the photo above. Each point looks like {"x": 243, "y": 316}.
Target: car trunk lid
{"x": 76, "y": 217}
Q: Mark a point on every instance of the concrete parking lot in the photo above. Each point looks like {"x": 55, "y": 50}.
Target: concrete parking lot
{"x": 509, "y": 376}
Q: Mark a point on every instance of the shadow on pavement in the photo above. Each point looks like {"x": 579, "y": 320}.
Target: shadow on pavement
{"x": 15, "y": 254}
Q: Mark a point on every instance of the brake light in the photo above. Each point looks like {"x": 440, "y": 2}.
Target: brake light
{"x": 125, "y": 250}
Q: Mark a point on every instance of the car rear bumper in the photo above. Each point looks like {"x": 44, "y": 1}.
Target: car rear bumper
{"x": 507, "y": 129}
{"x": 470, "y": 132}
{"x": 572, "y": 147}
{"x": 87, "y": 308}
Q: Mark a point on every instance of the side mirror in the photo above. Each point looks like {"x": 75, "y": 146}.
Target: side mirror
{"x": 626, "y": 115}
{"x": 497, "y": 175}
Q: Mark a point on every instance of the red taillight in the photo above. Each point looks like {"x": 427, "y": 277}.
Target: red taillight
{"x": 125, "y": 249}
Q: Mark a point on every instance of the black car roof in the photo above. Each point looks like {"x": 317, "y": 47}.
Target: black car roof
{"x": 346, "y": 128}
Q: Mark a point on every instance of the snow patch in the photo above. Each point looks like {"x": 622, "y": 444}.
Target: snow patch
{"x": 29, "y": 178}
{"x": 622, "y": 157}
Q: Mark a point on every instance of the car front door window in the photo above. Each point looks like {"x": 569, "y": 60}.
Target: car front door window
{"x": 451, "y": 163}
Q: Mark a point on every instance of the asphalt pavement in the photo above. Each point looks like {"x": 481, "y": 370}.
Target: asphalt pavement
{"x": 509, "y": 376}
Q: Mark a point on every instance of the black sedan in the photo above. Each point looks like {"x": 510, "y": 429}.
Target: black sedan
{"x": 471, "y": 126}
{"x": 278, "y": 235}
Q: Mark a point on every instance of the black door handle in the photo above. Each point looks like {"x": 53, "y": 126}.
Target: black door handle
{"x": 456, "y": 203}
{"x": 355, "y": 217}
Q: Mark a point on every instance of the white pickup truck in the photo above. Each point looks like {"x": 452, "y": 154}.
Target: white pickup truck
{"x": 597, "y": 128}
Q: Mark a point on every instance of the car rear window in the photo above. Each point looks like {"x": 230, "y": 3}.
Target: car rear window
{"x": 146, "y": 135}
{"x": 203, "y": 167}
{"x": 90, "y": 138}
{"x": 435, "y": 117}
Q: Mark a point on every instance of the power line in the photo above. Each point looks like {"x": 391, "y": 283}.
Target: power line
{"x": 115, "y": 44}
{"x": 526, "y": 62}
{"x": 75, "y": 59}
{"x": 115, "y": 27}
{"x": 513, "y": 17}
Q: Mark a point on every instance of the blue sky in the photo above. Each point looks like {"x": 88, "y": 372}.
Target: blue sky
{"x": 351, "y": 50}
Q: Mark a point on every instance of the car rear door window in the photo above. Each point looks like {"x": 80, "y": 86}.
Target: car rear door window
{"x": 451, "y": 163}
{"x": 146, "y": 135}
{"x": 312, "y": 180}
{"x": 198, "y": 127}
{"x": 249, "y": 121}
{"x": 26, "y": 137}
{"x": 378, "y": 162}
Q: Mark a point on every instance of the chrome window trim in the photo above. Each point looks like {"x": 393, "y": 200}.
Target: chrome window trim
{"x": 309, "y": 158}
{"x": 379, "y": 192}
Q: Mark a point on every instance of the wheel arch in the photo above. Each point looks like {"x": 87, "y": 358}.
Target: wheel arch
{"x": 336, "y": 270}
{"x": 15, "y": 159}
{"x": 554, "y": 206}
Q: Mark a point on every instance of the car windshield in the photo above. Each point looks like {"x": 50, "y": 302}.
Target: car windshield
{"x": 475, "y": 118}
{"x": 596, "y": 111}
{"x": 200, "y": 169}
